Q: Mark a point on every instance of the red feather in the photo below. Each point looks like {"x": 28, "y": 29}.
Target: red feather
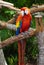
{"x": 26, "y": 22}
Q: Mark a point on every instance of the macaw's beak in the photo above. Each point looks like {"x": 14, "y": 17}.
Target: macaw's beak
{"x": 24, "y": 13}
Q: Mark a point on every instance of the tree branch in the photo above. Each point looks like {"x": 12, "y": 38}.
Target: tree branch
{"x": 8, "y": 26}
{"x": 21, "y": 36}
{"x": 5, "y": 3}
{"x": 38, "y": 8}
{"x": 9, "y": 5}
{"x": 11, "y": 21}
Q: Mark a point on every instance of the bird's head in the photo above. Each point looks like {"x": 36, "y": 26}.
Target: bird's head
{"x": 25, "y": 11}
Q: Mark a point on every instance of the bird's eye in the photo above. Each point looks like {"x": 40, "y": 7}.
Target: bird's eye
{"x": 26, "y": 11}
{"x": 22, "y": 12}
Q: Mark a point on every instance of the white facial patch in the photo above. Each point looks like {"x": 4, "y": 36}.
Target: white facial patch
{"x": 26, "y": 11}
{"x": 22, "y": 12}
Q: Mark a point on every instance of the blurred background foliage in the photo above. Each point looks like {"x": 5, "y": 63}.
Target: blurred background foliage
{"x": 10, "y": 51}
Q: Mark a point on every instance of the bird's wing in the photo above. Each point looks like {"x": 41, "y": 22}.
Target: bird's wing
{"x": 19, "y": 22}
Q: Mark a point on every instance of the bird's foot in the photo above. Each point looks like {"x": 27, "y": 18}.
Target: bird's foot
{"x": 22, "y": 33}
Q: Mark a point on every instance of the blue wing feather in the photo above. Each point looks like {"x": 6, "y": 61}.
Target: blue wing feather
{"x": 18, "y": 29}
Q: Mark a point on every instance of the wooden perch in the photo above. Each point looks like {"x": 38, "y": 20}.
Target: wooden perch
{"x": 5, "y": 3}
{"x": 11, "y": 21}
{"x": 8, "y": 26}
{"x": 9, "y": 5}
{"x": 39, "y": 23}
{"x": 38, "y": 8}
{"x": 13, "y": 39}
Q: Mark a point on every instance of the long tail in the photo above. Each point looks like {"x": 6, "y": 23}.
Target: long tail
{"x": 21, "y": 51}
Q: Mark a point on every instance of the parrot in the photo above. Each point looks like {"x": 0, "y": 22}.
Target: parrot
{"x": 23, "y": 23}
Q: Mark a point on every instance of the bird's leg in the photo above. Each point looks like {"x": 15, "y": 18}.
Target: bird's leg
{"x": 25, "y": 33}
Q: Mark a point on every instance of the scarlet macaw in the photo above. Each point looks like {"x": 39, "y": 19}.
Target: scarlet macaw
{"x": 22, "y": 24}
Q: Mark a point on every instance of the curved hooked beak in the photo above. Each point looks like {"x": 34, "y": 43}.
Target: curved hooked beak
{"x": 24, "y": 13}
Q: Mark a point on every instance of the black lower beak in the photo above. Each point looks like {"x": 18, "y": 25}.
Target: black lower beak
{"x": 24, "y": 13}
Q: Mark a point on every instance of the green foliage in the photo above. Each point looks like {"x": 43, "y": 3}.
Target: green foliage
{"x": 39, "y": 2}
{"x": 6, "y": 13}
{"x": 12, "y": 60}
{"x": 31, "y": 49}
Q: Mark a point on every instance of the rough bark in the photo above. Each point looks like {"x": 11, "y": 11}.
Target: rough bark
{"x": 2, "y": 58}
{"x": 9, "y": 5}
{"x": 3, "y": 3}
{"x": 11, "y": 21}
{"x": 40, "y": 38}
{"x": 38, "y": 8}
{"x": 12, "y": 39}
{"x": 8, "y": 26}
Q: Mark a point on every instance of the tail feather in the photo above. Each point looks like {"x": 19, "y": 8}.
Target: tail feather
{"x": 21, "y": 51}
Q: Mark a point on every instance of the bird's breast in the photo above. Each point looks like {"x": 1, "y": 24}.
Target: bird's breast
{"x": 25, "y": 23}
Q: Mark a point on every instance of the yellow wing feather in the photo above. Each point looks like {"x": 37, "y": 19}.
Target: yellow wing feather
{"x": 17, "y": 24}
